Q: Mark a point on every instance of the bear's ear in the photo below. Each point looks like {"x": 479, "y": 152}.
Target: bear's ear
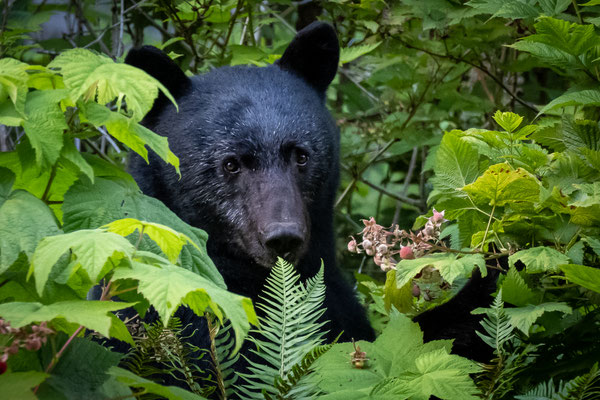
{"x": 314, "y": 55}
{"x": 160, "y": 66}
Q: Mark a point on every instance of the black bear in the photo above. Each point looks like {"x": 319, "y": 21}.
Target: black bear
{"x": 259, "y": 167}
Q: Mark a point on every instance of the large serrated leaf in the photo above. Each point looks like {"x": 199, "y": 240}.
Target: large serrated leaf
{"x": 450, "y": 266}
{"x": 13, "y": 83}
{"x": 539, "y": 259}
{"x": 101, "y": 79}
{"x": 167, "y": 286}
{"x": 515, "y": 291}
{"x": 94, "y": 315}
{"x": 584, "y": 97}
{"x": 523, "y": 318}
{"x": 456, "y": 165}
{"x": 348, "y": 54}
{"x": 25, "y": 221}
{"x": 587, "y": 277}
{"x": 569, "y": 37}
{"x": 88, "y": 205}
{"x": 93, "y": 248}
{"x": 19, "y": 385}
{"x": 501, "y": 184}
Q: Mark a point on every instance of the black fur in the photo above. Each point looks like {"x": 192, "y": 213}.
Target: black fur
{"x": 265, "y": 120}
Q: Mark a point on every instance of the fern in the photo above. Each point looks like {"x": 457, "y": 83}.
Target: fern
{"x": 164, "y": 350}
{"x": 497, "y": 326}
{"x": 223, "y": 359}
{"x": 585, "y": 387}
{"x": 498, "y": 377}
{"x": 288, "y": 336}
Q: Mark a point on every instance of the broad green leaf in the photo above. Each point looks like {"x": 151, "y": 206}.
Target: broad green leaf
{"x": 98, "y": 78}
{"x": 594, "y": 244}
{"x": 132, "y": 134}
{"x": 584, "y": 97}
{"x": 82, "y": 370}
{"x": 450, "y": 265}
{"x": 167, "y": 286}
{"x": 88, "y": 205}
{"x": 539, "y": 259}
{"x": 170, "y": 241}
{"x": 19, "y": 385}
{"x": 500, "y": 184}
{"x": 507, "y": 120}
{"x": 348, "y": 54}
{"x": 25, "y": 221}
{"x": 401, "y": 298}
{"x": 168, "y": 392}
{"x": 45, "y": 125}
{"x": 94, "y": 249}
{"x": 587, "y": 277}
{"x": 443, "y": 375}
{"x": 515, "y": 291}
{"x": 523, "y": 318}
{"x": 73, "y": 159}
{"x": 13, "y": 83}
{"x": 94, "y": 315}
{"x": 581, "y": 134}
{"x": 587, "y": 195}
{"x": 456, "y": 165}
{"x": 569, "y": 37}
{"x": 548, "y": 54}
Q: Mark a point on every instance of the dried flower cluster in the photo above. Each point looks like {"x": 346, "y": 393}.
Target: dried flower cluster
{"x": 384, "y": 244}
{"x": 31, "y": 338}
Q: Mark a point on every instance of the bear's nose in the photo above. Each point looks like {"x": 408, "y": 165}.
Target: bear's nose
{"x": 284, "y": 238}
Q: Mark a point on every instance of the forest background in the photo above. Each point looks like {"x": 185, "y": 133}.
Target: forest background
{"x": 486, "y": 110}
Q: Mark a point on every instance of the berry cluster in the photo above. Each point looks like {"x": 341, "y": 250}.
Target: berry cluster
{"x": 30, "y": 338}
{"x": 384, "y": 244}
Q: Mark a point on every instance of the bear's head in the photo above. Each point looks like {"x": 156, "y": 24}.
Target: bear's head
{"x": 258, "y": 149}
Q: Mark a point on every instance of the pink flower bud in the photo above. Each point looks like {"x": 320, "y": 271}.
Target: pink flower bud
{"x": 416, "y": 290}
{"x": 33, "y": 343}
{"x": 438, "y": 217}
{"x": 367, "y": 244}
{"x": 370, "y": 251}
{"x": 352, "y": 245}
{"x": 382, "y": 249}
{"x": 406, "y": 253}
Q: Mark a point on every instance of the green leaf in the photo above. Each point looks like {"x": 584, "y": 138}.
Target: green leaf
{"x": 13, "y": 83}
{"x": 441, "y": 374}
{"x": 93, "y": 249}
{"x": 132, "y": 134}
{"x": 515, "y": 291}
{"x": 82, "y": 370}
{"x": 539, "y": 259}
{"x": 523, "y": 318}
{"x": 88, "y": 205}
{"x": 569, "y": 37}
{"x": 170, "y": 241}
{"x": 587, "y": 277}
{"x": 25, "y": 221}
{"x": 507, "y": 120}
{"x": 168, "y": 392}
{"x": 456, "y": 165}
{"x": 401, "y": 298}
{"x": 45, "y": 125}
{"x": 19, "y": 385}
{"x": 548, "y": 54}
{"x": 500, "y": 184}
{"x": 450, "y": 265}
{"x": 72, "y": 158}
{"x": 100, "y": 79}
{"x": 348, "y": 54}
{"x": 167, "y": 286}
{"x": 94, "y": 315}
{"x": 585, "y": 97}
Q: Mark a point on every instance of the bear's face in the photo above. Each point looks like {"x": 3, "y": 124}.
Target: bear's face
{"x": 258, "y": 150}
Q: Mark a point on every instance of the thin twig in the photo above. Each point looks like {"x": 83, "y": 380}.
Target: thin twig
{"x": 398, "y": 197}
{"x": 411, "y": 168}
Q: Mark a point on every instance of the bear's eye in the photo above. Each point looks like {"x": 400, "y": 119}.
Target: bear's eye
{"x": 231, "y": 166}
{"x": 301, "y": 158}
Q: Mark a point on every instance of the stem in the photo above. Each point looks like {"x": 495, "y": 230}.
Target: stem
{"x": 49, "y": 184}
{"x": 137, "y": 245}
{"x": 487, "y": 228}
{"x": 212, "y": 333}
{"x": 577, "y": 11}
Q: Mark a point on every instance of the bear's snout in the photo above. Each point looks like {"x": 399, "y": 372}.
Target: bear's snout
{"x": 284, "y": 238}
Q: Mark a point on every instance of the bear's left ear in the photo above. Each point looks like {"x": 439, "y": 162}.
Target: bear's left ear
{"x": 314, "y": 55}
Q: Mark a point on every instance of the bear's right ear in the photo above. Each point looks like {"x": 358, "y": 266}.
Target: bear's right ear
{"x": 160, "y": 66}
{"x": 314, "y": 55}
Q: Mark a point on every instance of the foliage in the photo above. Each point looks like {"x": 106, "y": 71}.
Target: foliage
{"x": 416, "y": 99}
{"x": 289, "y": 333}
{"x": 399, "y": 366}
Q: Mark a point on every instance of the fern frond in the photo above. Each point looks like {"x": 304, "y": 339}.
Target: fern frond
{"x": 221, "y": 353}
{"x": 585, "y": 387}
{"x": 289, "y": 332}
{"x": 497, "y": 326}
{"x": 543, "y": 391}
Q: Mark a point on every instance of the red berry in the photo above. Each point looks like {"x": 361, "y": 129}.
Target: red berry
{"x": 406, "y": 253}
{"x": 2, "y": 367}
